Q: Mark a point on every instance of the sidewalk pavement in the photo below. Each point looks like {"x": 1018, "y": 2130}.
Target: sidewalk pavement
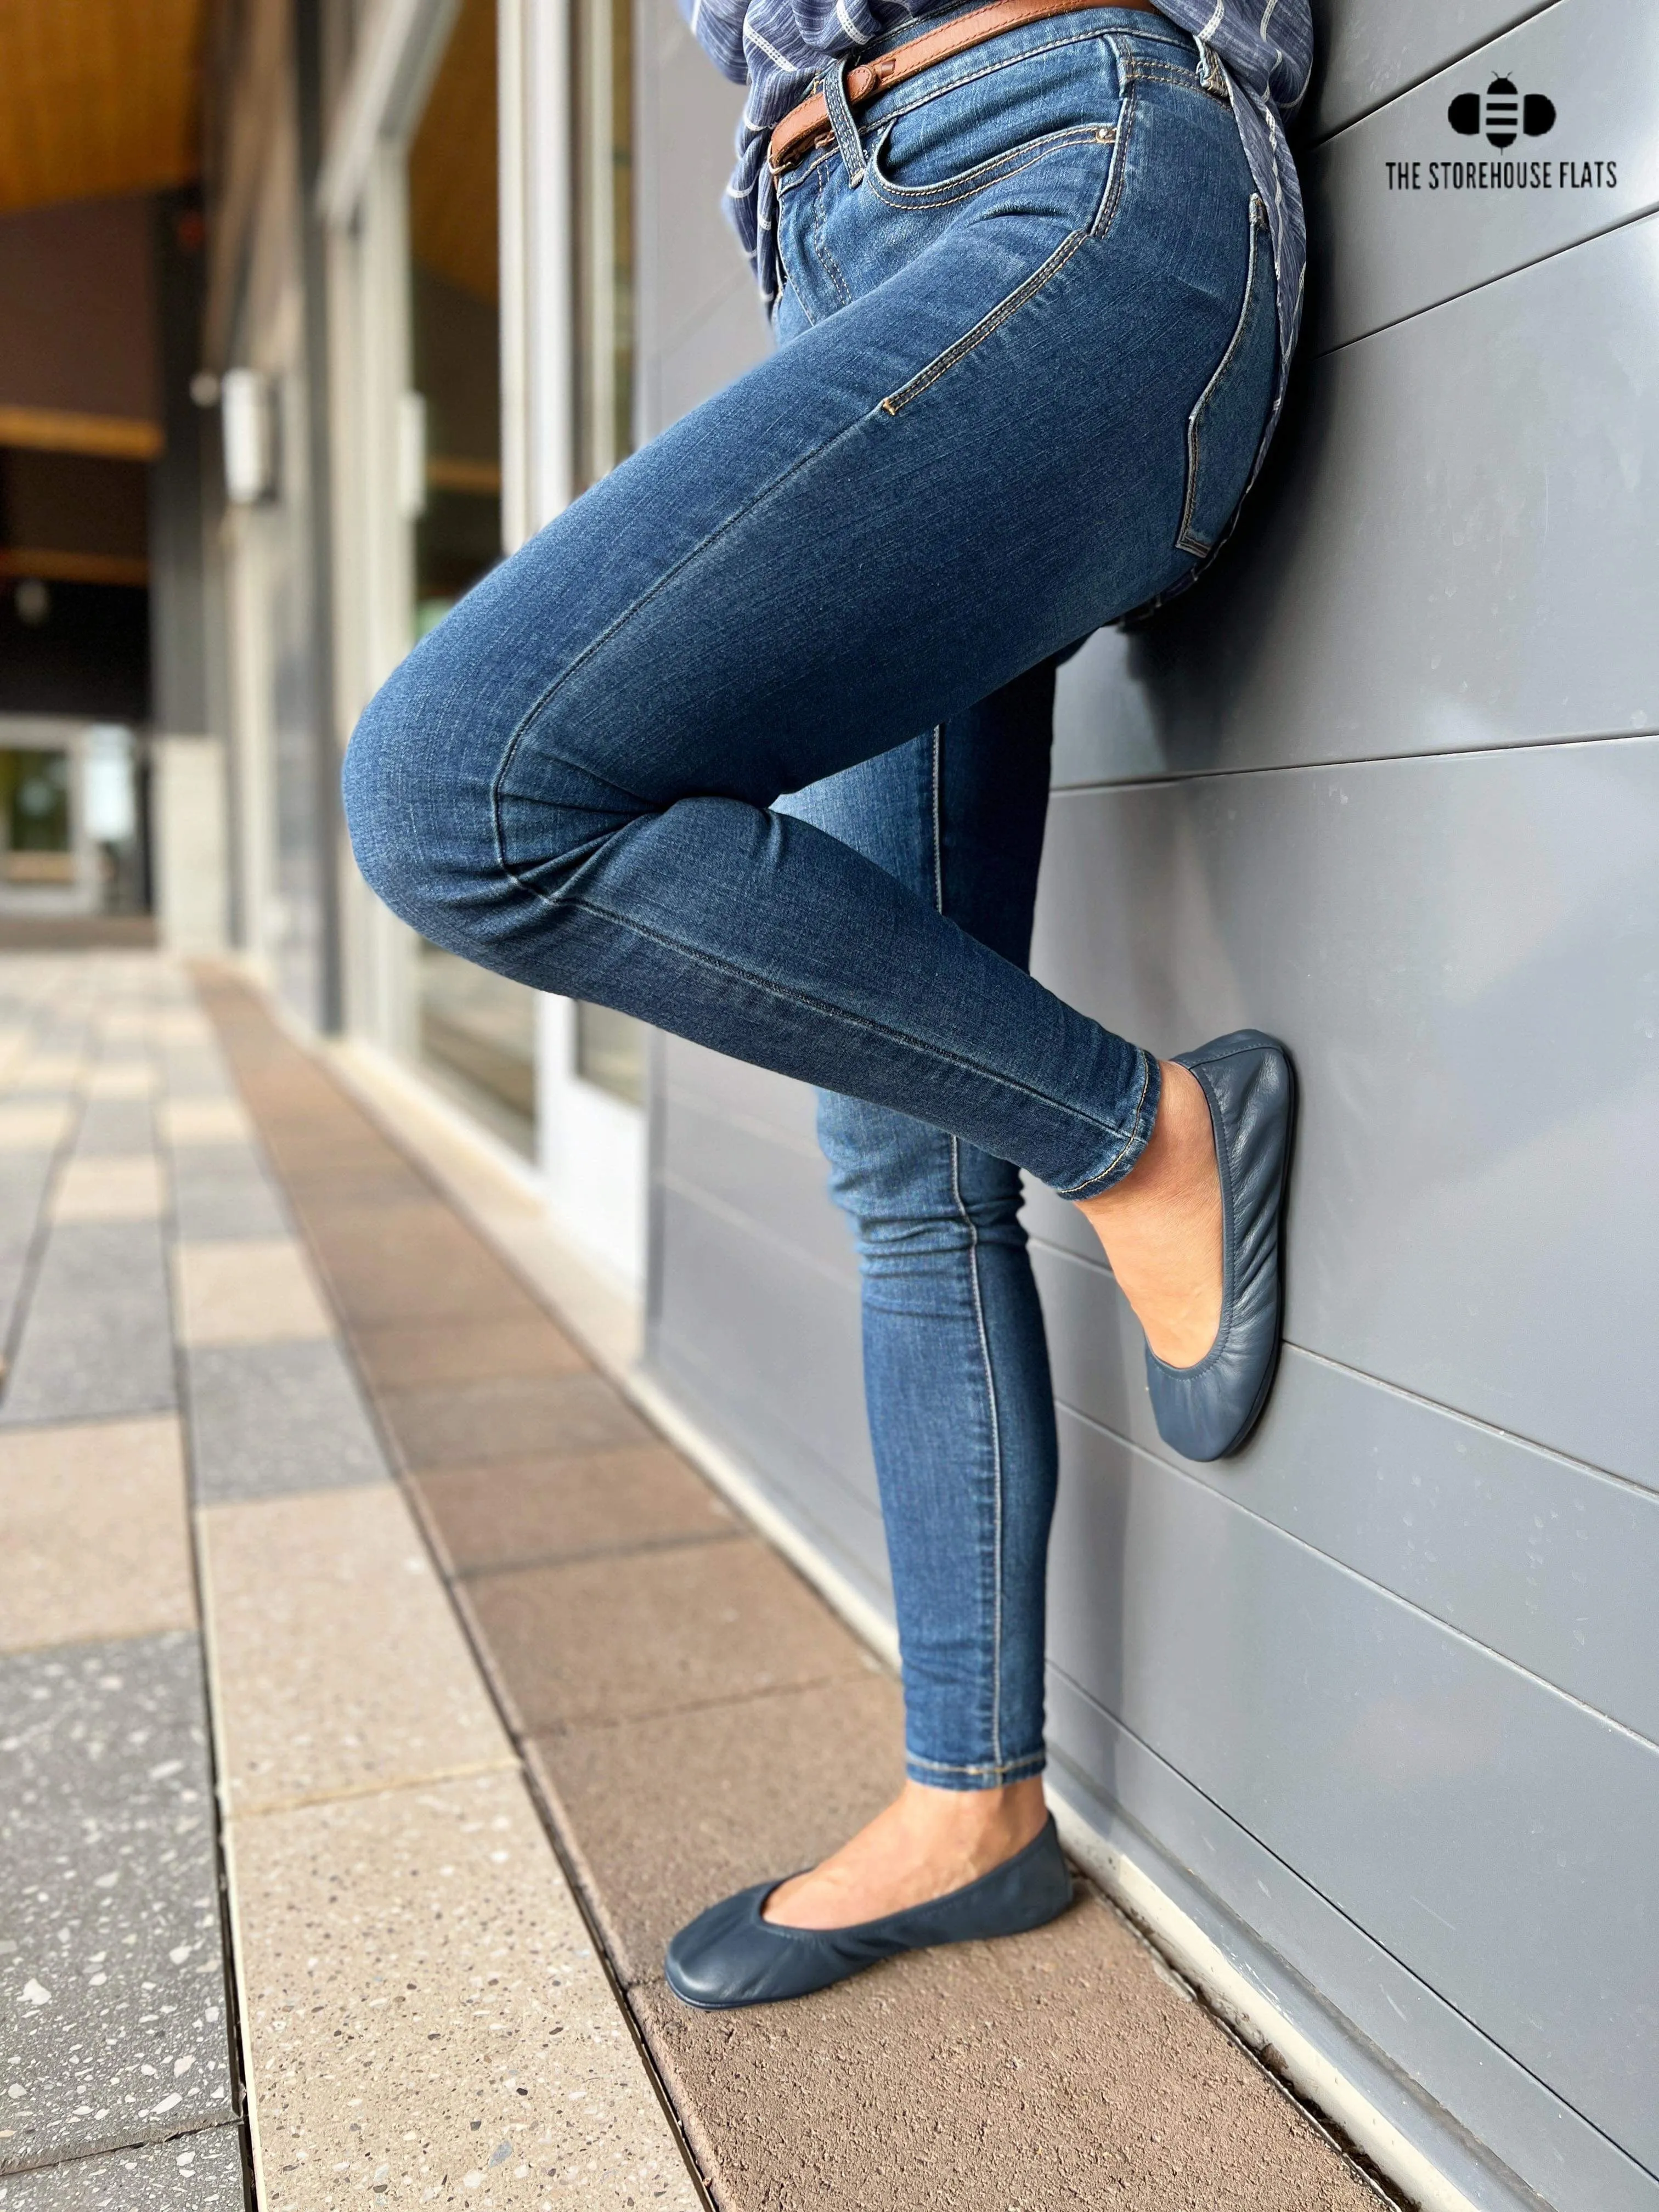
{"x": 474, "y": 1634}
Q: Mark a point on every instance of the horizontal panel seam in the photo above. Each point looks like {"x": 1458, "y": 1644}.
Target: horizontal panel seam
{"x": 1439, "y": 68}
{"x": 736, "y": 1117}
{"x": 678, "y": 1370}
{"x": 1296, "y": 1874}
{"x": 734, "y": 1216}
{"x": 1516, "y": 1437}
{"x": 1367, "y": 1582}
{"x": 1166, "y": 778}
{"x": 1500, "y": 277}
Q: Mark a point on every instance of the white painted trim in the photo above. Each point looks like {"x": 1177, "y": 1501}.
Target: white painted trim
{"x": 397, "y": 50}
{"x": 512, "y": 188}
{"x": 546, "y": 123}
{"x": 591, "y": 1148}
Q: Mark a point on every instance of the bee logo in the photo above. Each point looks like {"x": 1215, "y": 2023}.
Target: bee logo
{"x": 1502, "y": 113}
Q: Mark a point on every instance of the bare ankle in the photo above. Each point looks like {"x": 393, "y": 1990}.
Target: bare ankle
{"x": 1160, "y": 1227}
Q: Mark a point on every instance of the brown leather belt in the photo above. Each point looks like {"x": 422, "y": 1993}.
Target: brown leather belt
{"x": 806, "y": 127}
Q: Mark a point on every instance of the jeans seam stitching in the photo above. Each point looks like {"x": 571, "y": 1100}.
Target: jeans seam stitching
{"x": 1146, "y": 1084}
{"x": 1012, "y": 61}
{"x": 826, "y": 258}
{"x": 1187, "y": 540}
{"x": 919, "y": 199}
{"x": 988, "y": 325}
{"x": 860, "y": 1022}
{"x": 1036, "y": 1759}
{"x": 989, "y": 1372}
{"x": 1112, "y": 192}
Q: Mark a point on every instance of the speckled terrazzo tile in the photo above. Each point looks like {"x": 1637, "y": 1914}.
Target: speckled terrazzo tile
{"x": 98, "y": 1335}
{"x": 425, "y": 2020}
{"x": 252, "y": 1291}
{"x": 23, "y": 1180}
{"x": 109, "y": 1186}
{"x": 120, "y": 1077}
{"x": 124, "y": 1479}
{"x": 112, "y": 1124}
{"x": 269, "y": 1418}
{"x": 50, "y": 1071}
{"x": 198, "y": 2172}
{"x": 111, "y": 1985}
{"x": 31, "y": 1126}
{"x": 337, "y": 1663}
{"x": 221, "y": 1191}
{"x": 213, "y": 1120}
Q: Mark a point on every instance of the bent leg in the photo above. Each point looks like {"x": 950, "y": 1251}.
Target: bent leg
{"x": 573, "y": 779}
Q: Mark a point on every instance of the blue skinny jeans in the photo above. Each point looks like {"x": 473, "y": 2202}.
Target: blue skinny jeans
{"x": 667, "y": 758}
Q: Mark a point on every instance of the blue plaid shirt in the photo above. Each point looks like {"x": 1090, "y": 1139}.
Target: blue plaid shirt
{"x": 778, "y": 46}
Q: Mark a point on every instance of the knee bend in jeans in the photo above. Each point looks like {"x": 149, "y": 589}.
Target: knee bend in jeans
{"x": 421, "y": 809}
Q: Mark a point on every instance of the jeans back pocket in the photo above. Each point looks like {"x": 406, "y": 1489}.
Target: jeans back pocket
{"x": 1224, "y": 431}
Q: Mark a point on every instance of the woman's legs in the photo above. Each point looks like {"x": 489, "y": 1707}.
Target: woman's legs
{"x": 956, "y": 1365}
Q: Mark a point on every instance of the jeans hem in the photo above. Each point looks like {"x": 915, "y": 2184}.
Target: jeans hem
{"x": 1152, "y": 1091}
{"x": 933, "y": 1774}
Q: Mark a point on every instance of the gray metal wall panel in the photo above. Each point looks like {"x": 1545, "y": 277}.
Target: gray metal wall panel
{"x": 1367, "y": 54}
{"x": 699, "y": 319}
{"x": 770, "y": 1345}
{"x": 749, "y": 1094}
{"x": 1403, "y": 2045}
{"x": 1464, "y": 956}
{"x": 1439, "y": 1797}
{"x": 1455, "y": 512}
{"x": 1393, "y": 246}
{"x": 753, "y": 1176}
{"x": 1551, "y": 1564}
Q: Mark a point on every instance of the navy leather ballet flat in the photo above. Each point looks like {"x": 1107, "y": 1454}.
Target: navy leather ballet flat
{"x": 1208, "y": 1411}
{"x": 729, "y": 1956}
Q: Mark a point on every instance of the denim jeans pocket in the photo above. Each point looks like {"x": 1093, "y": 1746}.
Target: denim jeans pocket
{"x": 935, "y": 146}
{"x": 1224, "y": 431}
{"x": 950, "y": 191}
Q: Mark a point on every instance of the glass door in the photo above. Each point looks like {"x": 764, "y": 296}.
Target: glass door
{"x": 475, "y": 1033}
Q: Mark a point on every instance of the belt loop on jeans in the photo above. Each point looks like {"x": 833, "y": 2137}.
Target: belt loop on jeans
{"x": 833, "y": 85}
{"x": 1213, "y": 71}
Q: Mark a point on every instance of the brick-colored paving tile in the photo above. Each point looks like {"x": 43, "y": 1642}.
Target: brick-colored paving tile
{"x": 405, "y": 1355}
{"x": 509, "y": 1512}
{"x": 656, "y": 1631}
{"x": 648, "y": 1805}
{"x": 1058, "y": 2070}
{"x": 455, "y": 1424}
{"x": 406, "y": 1263}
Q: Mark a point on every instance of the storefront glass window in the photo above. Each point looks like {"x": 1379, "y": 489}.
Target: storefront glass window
{"x": 476, "y": 1032}
{"x": 610, "y": 1048}
{"x": 34, "y": 794}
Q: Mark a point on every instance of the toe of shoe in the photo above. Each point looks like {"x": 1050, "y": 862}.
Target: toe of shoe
{"x": 709, "y": 1963}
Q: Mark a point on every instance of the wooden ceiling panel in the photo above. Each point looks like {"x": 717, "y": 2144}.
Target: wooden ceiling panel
{"x": 97, "y": 97}
{"x": 452, "y": 163}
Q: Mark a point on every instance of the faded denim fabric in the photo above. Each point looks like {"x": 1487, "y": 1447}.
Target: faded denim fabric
{"x": 1027, "y": 361}
{"x": 780, "y": 49}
